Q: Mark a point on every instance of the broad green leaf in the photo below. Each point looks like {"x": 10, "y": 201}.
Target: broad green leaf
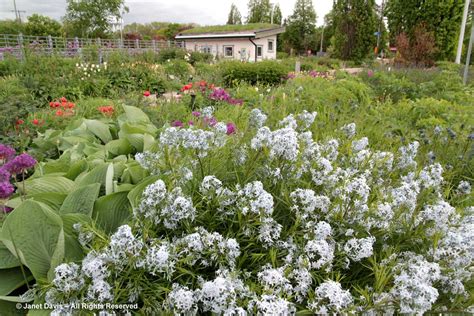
{"x": 47, "y": 184}
{"x": 73, "y": 249}
{"x": 36, "y": 235}
{"x": 137, "y": 141}
{"x": 11, "y": 279}
{"x": 77, "y": 168}
{"x": 16, "y": 299}
{"x": 135, "y": 115}
{"x": 109, "y": 179}
{"x": 7, "y": 259}
{"x": 81, "y": 200}
{"x": 135, "y": 195}
{"x": 119, "y": 147}
{"x": 112, "y": 211}
{"x": 99, "y": 129}
{"x": 51, "y": 199}
{"x": 96, "y": 175}
{"x": 149, "y": 143}
{"x": 9, "y": 308}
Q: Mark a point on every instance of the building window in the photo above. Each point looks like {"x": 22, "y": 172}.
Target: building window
{"x": 270, "y": 45}
{"x": 206, "y": 49}
{"x": 259, "y": 51}
{"x": 229, "y": 51}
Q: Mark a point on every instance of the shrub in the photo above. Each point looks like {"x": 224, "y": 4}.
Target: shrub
{"x": 419, "y": 50}
{"x": 264, "y": 72}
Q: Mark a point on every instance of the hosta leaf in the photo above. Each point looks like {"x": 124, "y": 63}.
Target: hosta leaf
{"x": 81, "y": 200}
{"x": 11, "y": 279}
{"x": 76, "y": 169}
{"x": 96, "y": 175}
{"x": 135, "y": 115}
{"x": 119, "y": 147}
{"x": 73, "y": 249}
{"x": 47, "y": 184}
{"x": 112, "y": 211}
{"x": 36, "y": 235}
{"x": 99, "y": 129}
{"x": 109, "y": 179}
{"x": 7, "y": 259}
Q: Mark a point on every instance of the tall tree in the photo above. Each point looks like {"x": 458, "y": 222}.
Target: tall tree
{"x": 92, "y": 18}
{"x": 442, "y": 18}
{"x": 355, "y": 22}
{"x": 234, "y": 15}
{"x": 259, "y": 11}
{"x": 301, "y": 28}
{"x": 40, "y": 25}
{"x": 277, "y": 15}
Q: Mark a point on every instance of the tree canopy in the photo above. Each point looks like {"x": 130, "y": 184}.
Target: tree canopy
{"x": 92, "y": 18}
{"x": 234, "y": 15}
{"x": 301, "y": 26}
{"x": 40, "y": 25}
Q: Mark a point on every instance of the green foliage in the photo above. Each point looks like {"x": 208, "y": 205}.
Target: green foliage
{"x": 91, "y": 19}
{"x": 265, "y": 72}
{"x": 229, "y": 28}
{"x": 301, "y": 26}
{"x": 234, "y": 15}
{"x": 11, "y": 27}
{"x": 441, "y": 17}
{"x": 40, "y": 25}
{"x": 355, "y": 22}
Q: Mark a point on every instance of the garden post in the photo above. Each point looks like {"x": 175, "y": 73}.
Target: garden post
{"x": 137, "y": 43}
{"x": 50, "y": 44}
{"x": 20, "y": 45}
{"x": 298, "y": 66}
{"x": 100, "y": 50}
{"x": 76, "y": 46}
{"x": 469, "y": 51}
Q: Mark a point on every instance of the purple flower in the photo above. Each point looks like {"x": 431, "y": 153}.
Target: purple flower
{"x": 6, "y": 152}
{"x": 196, "y": 113}
{"x": 20, "y": 164}
{"x": 231, "y": 128}
{"x": 370, "y": 73}
{"x": 211, "y": 121}
{"x": 236, "y": 101}
{"x": 4, "y": 175}
{"x": 291, "y": 75}
{"x": 177, "y": 124}
{"x": 219, "y": 94}
{"x": 6, "y": 190}
{"x": 190, "y": 123}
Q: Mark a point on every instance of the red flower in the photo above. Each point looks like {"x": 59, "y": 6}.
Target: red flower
{"x": 187, "y": 87}
{"x": 19, "y": 122}
{"x": 71, "y": 105}
{"x": 63, "y": 100}
{"x": 59, "y": 113}
{"x": 106, "y": 110}
{"x": 35, "y": 122}
{"x": 146, "y": 93}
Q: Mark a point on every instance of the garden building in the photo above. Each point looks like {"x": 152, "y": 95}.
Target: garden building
{"x": 251, "y": 42}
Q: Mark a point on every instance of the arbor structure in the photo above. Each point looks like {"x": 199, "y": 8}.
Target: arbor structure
{"x": 355, "y": 27}
{"x": 92, "y": 18}
{"x": 234, "y": 15}
{"x": 442, "y": 18}
{"x": 301, "y": 26}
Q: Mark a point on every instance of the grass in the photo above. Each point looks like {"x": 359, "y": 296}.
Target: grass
{"x": 230, "y": 28}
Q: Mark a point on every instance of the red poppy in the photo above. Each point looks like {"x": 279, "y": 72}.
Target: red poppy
{"x": 59, "y": 113}
{"x": 35, "y": 122}
{"x": 71, "y": 105}
{"x": 146, "y": 93}
{"x": 19, "y": 122}
{"x": 63, "y": 100}
{"x": 107, "y": 110}
{"x": 187, "y": 87}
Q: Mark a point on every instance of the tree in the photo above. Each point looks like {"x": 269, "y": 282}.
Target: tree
{"x": 277, "y": 15}
{"x": 234, "y": 15}
{"x": 11, "y": 27}
{"x": 442, "y": 18}
{"x": 301, "y": 28}
{"x": 355, "y": 22}
{"x": 92, "y": 18}
{"x": 259, "y": 11}
{"x": 40, "y": 25}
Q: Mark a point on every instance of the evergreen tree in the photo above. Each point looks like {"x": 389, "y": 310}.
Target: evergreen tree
{"x": 301, "y": 28}
{"x": 355, "y": 22}
{"x": 442, "y": 18}
{"x": 259, "y": 11}
{"x": 234, "y": 15}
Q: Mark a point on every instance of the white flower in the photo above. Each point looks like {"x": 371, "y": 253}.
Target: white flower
{"x": 182, "y": 300}
{"x": 330, "y": 298}
{"x": 358, "y": 249}
{"x": 272, "y": 305}
{"x": 349, "y": 130}
{"x": 464, "y": 188}
{"x": 361, "y": 144}
{"x": 274, "y": 281}
{"x": 257, "y": 118}
{"x": 68, "y": 278}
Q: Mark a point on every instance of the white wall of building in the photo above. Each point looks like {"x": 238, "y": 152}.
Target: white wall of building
{"x": 243, "y": 48}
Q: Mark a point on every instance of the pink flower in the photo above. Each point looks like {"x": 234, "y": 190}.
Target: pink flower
{"x": 190, "y": 123}
{"x": 231, "y": 128}
{"x": 370, "y": 73}
{"x": 6, "y": 190}
{"x": 146, "y": 93}
{"x": 196, "y": 113}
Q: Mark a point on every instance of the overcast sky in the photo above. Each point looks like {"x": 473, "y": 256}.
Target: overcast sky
{"x": 204, "y": 12}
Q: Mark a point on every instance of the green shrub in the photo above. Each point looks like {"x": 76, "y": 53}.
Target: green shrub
{"x": 264, "y": 72}
{"x": 171, "y": 53}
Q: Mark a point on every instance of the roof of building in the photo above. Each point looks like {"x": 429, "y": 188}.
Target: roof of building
{"x": 256, "y": 30}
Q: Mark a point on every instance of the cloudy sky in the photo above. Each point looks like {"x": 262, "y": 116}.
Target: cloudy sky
{"x": 204, "y": 12}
